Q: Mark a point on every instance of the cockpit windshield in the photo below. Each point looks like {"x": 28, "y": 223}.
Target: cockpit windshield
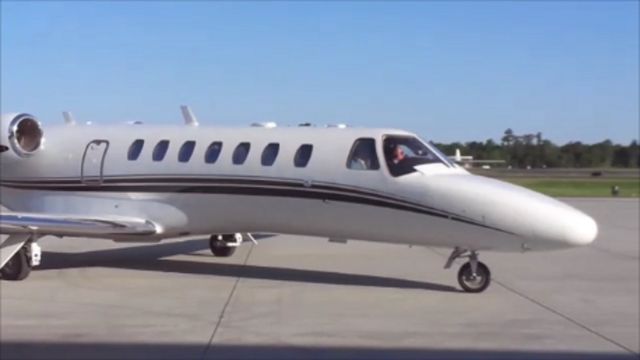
{"x": 404, "y": 153}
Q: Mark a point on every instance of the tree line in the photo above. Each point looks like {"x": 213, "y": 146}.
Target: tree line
{"x": 531, "y": 150}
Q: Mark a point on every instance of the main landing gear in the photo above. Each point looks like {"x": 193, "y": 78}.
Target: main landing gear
{"x": 224, "y": 245}
{"x": 19, "y": 255}
{"x": 473, "y": 276}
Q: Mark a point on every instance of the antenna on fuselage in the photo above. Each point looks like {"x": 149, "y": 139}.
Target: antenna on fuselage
{"x": 339, "y": 126}
{"x": 189, "y": 118}
{"x": 268, "y": 124}
{"x": 68, "y": 118}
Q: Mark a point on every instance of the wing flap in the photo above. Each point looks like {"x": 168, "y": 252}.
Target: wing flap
{"x": 73, "y": 225}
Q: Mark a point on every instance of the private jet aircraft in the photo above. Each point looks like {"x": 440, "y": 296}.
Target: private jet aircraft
{"x": 136, "y": 182}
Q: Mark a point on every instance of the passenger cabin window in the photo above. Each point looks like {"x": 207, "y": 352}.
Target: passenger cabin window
{"x": 135, "y": 149}
{"x": 404, "y": 153}
{"x": 213, "y": 152}
{"x": 186, "y": 150}
{"x": 160, "y": 150}
{"x": 303, "y": 155}
{"x": 269, "y": 154}
{"x": 240, "y": 153}
{"x": 363, "y": 155}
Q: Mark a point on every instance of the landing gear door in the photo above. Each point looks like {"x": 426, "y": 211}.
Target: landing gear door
{"x": 92, "y": 170}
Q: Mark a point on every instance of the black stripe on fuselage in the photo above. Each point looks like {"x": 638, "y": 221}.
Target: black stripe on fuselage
{"x": 239, "y": 186}
{"x": 209, "y": 181}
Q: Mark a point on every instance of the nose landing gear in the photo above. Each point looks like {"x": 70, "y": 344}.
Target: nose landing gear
{"x": 473, "y": 276}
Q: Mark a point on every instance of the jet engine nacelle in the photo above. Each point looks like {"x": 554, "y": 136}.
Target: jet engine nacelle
{"x": 22, "y": 134}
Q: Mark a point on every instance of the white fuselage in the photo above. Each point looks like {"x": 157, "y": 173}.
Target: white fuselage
{"x": 85, "y": 170}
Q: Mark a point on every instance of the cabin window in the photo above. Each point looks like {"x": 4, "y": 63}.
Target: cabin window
{"x": 303, "y": 155}
{"x": 213, "y": 152}
{"x": 186, "y": 150}
{"x": 363, "y": 155}
{"x": 160, "y": 150}
{"x": 269, "y": 154}
{"x": 135, "y": 149}
{"x": 404, "y": 153}
{"x": 240, "y": 153}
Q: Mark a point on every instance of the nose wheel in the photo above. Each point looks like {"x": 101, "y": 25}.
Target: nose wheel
{"x": 473, "y": 276}
{"x": 474, "y": 281}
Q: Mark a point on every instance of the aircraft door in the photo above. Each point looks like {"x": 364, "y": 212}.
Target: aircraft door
{"x": 92, "y": 170}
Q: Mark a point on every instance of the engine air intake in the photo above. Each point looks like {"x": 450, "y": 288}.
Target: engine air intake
{"x": 25, "y": 135}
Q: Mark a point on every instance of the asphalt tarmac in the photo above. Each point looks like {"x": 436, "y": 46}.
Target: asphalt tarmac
{"x": 298, "y": 297}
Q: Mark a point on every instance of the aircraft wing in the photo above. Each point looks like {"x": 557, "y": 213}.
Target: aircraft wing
{"x": 13, "y": 223}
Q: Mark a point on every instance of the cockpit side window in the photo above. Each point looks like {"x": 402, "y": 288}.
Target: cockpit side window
{"x": 363, "y": 155}
{"x": 404, "y": 153}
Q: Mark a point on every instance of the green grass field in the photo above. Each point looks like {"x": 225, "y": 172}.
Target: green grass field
{"x": 629, "y": 187}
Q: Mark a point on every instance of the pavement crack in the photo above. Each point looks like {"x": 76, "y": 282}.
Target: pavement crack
{"x": 564, "y": 316}
{"x": 226, "y": 305}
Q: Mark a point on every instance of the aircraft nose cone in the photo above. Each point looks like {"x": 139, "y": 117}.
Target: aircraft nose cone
{"x": 539, "y": 222}
{"x": 581, "y": 229}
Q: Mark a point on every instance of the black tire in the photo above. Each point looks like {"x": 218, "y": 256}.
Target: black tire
{"x": 476, "y": 284}
{"x": 219, "y": 248}
{"x": 18, "y": 267}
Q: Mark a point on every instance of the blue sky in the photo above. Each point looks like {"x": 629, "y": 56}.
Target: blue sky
{"x": 448, "y": 70}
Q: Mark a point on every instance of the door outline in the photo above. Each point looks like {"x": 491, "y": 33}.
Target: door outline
{"x": 92, "y": 180}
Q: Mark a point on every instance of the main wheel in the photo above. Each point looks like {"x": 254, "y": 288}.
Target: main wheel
{"x": 474, "y": 283}
{"x": 18, "y": 267}
{"x": 219, "y": 247}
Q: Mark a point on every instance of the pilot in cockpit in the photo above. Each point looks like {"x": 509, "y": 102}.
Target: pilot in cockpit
{"x": 397, "y": 160}
{"x": 404, "y": 153}
{"x": 397, "y": 155}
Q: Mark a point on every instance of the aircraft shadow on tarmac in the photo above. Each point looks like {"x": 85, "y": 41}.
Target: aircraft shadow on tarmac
{"x": 152, "y": 258}
{"x": 67, "y": 350}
